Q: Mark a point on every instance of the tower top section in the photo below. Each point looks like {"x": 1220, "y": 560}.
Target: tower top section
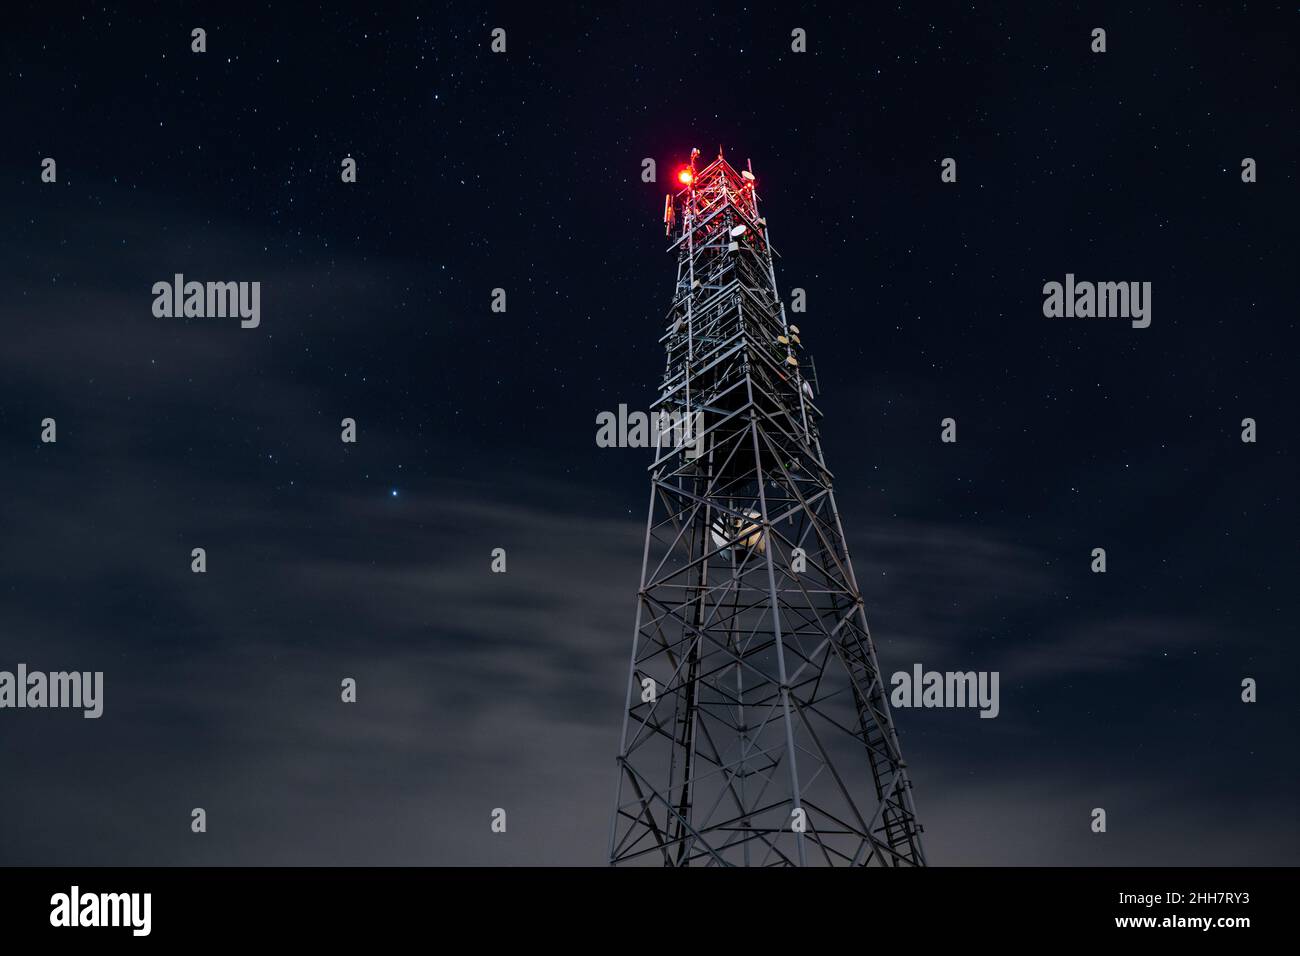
{"x": 704, "y": 193}
{"x": 726, "y": 338}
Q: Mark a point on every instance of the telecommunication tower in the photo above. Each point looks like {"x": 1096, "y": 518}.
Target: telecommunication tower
{"x": 757, "y": 729}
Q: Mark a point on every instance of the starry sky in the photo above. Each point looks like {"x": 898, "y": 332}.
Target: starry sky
{"x": 522, "y": 171}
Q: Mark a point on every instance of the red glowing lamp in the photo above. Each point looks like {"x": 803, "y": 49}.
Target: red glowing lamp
{"x": 686, "y": 177}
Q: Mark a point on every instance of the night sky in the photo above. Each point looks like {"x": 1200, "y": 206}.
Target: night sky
{"x": 476, "y": 430}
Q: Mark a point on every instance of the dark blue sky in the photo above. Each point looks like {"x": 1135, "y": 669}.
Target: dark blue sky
{"x": 522, "y": 171}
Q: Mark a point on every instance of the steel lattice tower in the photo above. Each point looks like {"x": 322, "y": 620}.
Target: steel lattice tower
{"x": 766, "y": 697}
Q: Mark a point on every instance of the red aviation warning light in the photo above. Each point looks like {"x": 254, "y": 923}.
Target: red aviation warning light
{"x": 686, "y": 176}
